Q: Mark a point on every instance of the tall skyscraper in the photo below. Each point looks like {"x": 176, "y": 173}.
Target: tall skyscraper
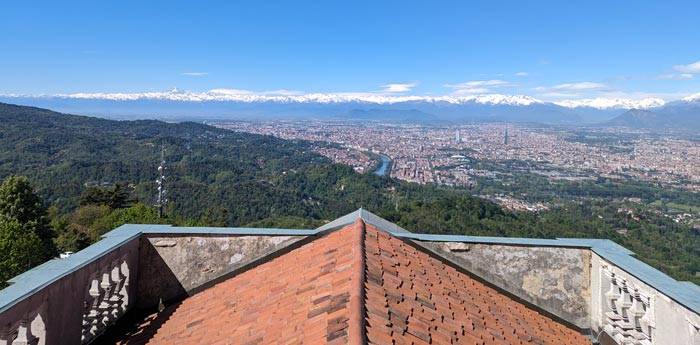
{"x": 457, "y": 136}
{"x": 505, "y": 137}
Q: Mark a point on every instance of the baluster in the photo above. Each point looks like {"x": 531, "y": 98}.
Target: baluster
{"x": 624, "y": 303}
{"x": 124, "y": 292}
{"x": 612, "y": 295}
{"x": 104, "y": 306}
{"x": 619, "y": 337}
{"x": 85, "y": 324}
{"x": 116, "y": 298}
{"x": 636, "y": 312}
{"x": 5, "y": 336}
{"x": 646, "y": 322}
{"x": 612, "y": 316}
{"x": 38, "y": 329}
{"x": 628, "y": 315}
{"x": 23, "y": 335}
{"x": 96, "y": 294}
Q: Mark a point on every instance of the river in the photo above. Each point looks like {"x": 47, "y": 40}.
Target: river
{"x": 385, "y": 168}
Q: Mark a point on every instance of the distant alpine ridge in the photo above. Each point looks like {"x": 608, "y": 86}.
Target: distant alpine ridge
{"x": 226, "y": 104}
{"x": 683, "y": 114}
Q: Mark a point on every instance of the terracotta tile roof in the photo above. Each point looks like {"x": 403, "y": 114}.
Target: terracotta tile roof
{"x": 351, "y": 286}
{"x": 413, "y": 298}
{"x": 302, "y": 296}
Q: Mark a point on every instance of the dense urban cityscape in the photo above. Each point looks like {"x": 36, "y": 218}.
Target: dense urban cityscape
{"x": 443, "y": 154}
{"x": 461, "y": 155}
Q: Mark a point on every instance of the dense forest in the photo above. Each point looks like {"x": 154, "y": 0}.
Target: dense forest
{"x": 92, "y": 175}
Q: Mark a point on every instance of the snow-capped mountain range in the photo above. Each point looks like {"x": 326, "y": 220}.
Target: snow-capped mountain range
{"x": 612, "y": 103}
{"x": 285, "y": 96}
{"x": 243, "y": 104}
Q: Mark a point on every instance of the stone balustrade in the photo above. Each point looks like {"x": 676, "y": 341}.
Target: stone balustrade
{"x": 106, "y": 300}
{"x": 632, "y": 311}
{"x": 76, "y": 299}
{"x": 29, "y": 330}
{"x": 628, "y": 315}
{"x": 93, "y": 288}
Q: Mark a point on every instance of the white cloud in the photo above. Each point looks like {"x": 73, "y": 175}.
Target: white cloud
{"x": 224, "y": 92}
{"x": 580, "y": 86}
{"x": 676, "y": 76}
{"x": 521, "y": 74}
{"x": 554, "y": 95}
{"x": 282, "y": 92}
{"x": 477, "y": 86}
{"x": 584, "y": 89}
{"x": 398, "y": 87}
{"x": 692, "y": 68}
{"x": 195, "y": 74}
{"x": 476, "y": 83}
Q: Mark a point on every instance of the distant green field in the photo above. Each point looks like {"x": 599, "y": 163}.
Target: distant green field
{"x": 677, "y": 206}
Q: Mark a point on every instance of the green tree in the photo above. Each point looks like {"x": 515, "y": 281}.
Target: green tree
{"x": 84, "y": 222}
{"x": 137, "y": 214}
{"x": 118, "y": 196}
{"x": 17, "y": 249}
{"x": 215, "y": 216}
{"x": 88, "y": 223}
{"x": 20, "y": 204}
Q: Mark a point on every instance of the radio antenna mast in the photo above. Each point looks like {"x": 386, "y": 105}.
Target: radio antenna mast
{"x": 161, "y": 199}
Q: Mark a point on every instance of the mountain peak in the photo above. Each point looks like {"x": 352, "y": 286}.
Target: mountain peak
{"x": 612, "y": 103}
{"x": 635, "y": 118}
{"x": 692, "y": 98}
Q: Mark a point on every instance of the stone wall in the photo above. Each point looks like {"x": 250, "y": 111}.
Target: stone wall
{"x": 172, "y": 267}
{"x": 553, "y": 278}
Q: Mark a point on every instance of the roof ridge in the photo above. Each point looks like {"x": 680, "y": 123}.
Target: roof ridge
{"x": 368, "y": 217}
{"x": 357, "y": 333}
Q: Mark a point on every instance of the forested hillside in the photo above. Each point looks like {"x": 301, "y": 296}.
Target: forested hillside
{"x": 96, "y": 174}
{"x": 208, "y": 167}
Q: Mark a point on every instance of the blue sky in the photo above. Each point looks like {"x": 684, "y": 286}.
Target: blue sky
{"x": 548, "y": 49}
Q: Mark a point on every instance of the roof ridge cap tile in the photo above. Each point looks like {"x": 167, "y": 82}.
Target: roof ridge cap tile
{"x": 356, "y": 325}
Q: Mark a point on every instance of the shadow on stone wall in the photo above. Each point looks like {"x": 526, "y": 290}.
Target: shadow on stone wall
{"x": 156, "y": 281}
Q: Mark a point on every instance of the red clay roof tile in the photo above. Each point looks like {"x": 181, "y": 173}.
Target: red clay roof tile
{"x": 422, "y": 300}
